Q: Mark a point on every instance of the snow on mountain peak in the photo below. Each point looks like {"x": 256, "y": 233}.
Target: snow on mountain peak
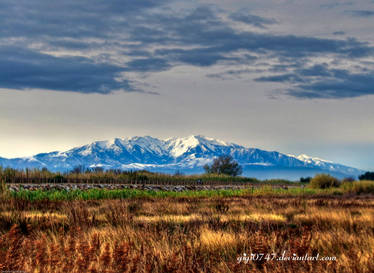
{"x": 96, "y": 146}
{"x": 86, "y": 151}
{"x": 172, "y": 146}
{"x": 212, "y": 141}
{"x": 311, "y": 160}
{"x": 178, "y": 146}
{"x": 305, "y": 157}
{"x": 146, "y": 143}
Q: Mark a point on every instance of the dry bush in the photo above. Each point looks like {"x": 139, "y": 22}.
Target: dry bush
{"x": 323, "y": 181}
{"x": 359, "y": 187}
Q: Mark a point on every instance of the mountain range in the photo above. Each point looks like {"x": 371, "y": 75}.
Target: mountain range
{"x": 187, "y": 155}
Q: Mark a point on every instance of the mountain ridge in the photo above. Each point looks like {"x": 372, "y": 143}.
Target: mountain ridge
{"x": 182, "y": 154}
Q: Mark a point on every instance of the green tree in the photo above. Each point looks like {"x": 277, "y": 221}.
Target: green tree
{"x": 367, "y": 176}
{"x": 224, "y": 165}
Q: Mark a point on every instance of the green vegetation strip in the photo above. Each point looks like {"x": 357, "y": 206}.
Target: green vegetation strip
{"x": 97, "y": 194}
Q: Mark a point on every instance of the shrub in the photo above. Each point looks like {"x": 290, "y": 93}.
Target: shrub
{"x": 323, "y": 181}
{"x": 59, "y": 179}
{"x": 359, "y": 187}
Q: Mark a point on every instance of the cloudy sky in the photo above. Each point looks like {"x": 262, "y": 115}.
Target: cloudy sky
{"x": 294, "y": 76}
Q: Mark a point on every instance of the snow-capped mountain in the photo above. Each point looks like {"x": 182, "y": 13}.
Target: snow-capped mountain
{"x": 187, "y": 155}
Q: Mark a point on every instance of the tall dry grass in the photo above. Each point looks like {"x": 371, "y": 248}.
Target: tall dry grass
{"x": 187, "y": 235}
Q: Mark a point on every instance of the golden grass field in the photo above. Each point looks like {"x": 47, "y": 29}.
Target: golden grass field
{"x": 187, "y": 234}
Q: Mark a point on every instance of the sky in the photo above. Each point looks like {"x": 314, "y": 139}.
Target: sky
{"x": 293, "y": 76}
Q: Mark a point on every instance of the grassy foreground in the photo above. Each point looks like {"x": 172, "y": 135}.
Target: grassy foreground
{"x": 206, "y": 234}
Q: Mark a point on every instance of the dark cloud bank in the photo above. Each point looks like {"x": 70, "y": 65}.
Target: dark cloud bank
{"x": 22, "y": 68}
{"x": 153, "y": 37}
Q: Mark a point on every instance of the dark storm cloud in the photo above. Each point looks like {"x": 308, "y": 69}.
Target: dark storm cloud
{"x": 23, "y": 69}
{"x": 151, "y": 37}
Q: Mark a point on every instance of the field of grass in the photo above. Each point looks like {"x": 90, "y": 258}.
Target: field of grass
{"x": 362, "y": 187}
{"x": 98, "y": 194}
{"x": 186, "y": 232}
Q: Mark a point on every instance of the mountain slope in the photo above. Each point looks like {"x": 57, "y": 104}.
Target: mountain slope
{"x": 187, "y": 155}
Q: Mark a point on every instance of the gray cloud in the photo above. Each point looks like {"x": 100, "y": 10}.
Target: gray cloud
{"x": 345, "y": 85}
{"x": 280, "y": 78}
{"x": 148, "y": 65}
{"x": 319, "y": 81}
{"x": 23, "y": 69}
{"x": 215, "y": 39}
{"x": 70, "y": 18}
{"x": 251, "y": 19}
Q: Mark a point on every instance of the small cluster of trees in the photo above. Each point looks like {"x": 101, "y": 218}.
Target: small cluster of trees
{"x": 367, "y": 176}
{"x": 305, "y": 179}
{"x": 224, "y": 165}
